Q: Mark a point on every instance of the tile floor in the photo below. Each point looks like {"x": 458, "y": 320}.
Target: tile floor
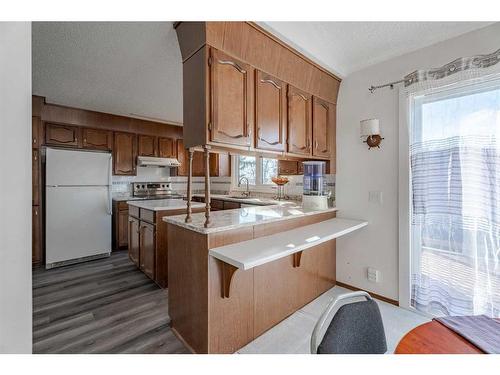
{"x": 294, "y": 333}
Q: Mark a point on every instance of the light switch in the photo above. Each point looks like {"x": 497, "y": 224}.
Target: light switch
{"x": 373, "y": 275}
{"x": 375, "y": 197}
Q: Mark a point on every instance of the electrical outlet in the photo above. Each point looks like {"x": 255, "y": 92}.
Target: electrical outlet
{"x": 375, "y": 197}
{"x": 373, "y": 275}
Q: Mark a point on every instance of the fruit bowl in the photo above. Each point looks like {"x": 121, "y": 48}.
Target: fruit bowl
{"x": 279, "y": 180}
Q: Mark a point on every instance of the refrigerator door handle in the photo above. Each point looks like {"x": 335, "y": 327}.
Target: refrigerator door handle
{"x": 110, "y": 184}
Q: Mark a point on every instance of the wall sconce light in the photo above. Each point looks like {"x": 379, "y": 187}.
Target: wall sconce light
{"x": 371, "y": 130}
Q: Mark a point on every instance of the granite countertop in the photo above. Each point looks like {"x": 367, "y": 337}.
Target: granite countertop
{"x": 164, "y": 204}
{"x": 256, "y": 201}
{"x": 248, "y": 216}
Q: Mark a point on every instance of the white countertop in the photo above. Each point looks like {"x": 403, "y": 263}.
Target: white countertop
{"x": 164, "y": 204}
{"x": 247, "y": 216}
{"x": 252, "y": 253}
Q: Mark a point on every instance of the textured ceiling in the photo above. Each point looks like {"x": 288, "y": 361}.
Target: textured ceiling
{"x": 345, "y": 47}
{"x": 116, "y": 67}
{"x": 134, "y": 68}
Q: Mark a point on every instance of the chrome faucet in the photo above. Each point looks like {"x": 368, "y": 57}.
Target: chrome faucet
{"x": 245, "y": 193}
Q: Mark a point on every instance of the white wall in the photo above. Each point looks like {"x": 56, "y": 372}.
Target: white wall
{"x": 360, "y": 170}
{"x": 15, "y": 187}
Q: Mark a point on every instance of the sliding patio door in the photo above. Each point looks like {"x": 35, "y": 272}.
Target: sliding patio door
{"x": 454, "y": 157}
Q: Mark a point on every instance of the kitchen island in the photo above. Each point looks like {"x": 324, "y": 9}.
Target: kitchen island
{"x": 148, "y": 234}
{"x": 250, "y": 269}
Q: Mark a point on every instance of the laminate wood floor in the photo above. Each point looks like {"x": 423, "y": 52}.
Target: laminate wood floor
{"x": 101, "y": 306}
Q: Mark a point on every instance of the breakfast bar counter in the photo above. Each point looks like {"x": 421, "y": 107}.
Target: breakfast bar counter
{"x": 250, "y": 269}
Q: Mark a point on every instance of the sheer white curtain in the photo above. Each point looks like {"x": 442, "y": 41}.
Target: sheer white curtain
{"x": 453, "y": 125}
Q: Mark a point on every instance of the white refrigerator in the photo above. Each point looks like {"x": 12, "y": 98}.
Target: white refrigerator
{"x": 78, "y": 206}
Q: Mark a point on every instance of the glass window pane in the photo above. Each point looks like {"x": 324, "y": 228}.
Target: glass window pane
{"x": 269, "y": 170}
{"x": 247, "y": 168}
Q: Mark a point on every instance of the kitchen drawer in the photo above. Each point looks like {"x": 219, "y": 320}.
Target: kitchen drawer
{"x": 148, "y": 215}
{"x": 133, "y": 211}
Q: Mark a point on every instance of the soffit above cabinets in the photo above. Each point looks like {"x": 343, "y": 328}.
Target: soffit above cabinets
{"x": 132, "y": 69}
{"x": 345, "y": 47}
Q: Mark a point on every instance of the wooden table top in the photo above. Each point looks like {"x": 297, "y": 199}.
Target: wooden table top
{"x": 435, "y": 338}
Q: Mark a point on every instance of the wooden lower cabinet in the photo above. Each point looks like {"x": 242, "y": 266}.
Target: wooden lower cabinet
{"x": 259, "y": 298}
{"x": 36, "y": 239}
{"x": 148, "y": 245}
{"x": 134, "y": 240}
{"x": 120, "y": 226}
{"x": 147, "y": 249}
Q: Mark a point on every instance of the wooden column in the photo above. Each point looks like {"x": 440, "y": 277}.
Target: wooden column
{"x": 189, "y": 188}
{"x": 206, "y": 150}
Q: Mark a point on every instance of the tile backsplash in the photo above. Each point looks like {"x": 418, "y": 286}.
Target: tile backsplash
{"x": 122, "y": 184}
{"x": 218, "y": 185}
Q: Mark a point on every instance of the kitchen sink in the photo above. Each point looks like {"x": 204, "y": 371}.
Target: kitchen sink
{"x": 242, "y": 197}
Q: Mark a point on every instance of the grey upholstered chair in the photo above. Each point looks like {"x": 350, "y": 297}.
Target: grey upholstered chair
{"x": 356, "y": 328}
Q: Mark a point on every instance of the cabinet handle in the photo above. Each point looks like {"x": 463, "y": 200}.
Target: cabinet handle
{"x": 34, "y": 140}
{"x": 36, "y": 212}
{"x": 316, "y": 144}
{"x": 84, "y": 140}
{"x": 36, "y": 157}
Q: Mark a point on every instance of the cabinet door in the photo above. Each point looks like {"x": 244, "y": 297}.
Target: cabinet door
{"x": 62, "y": 135}
{"x": 299, "y": 121}
{"x": 133, "y": 240}
{"x": 220, "y": 165}
{"x": 125, "y": 154}
{"x": 123, "y": 228}
{"x": 147, "y": 145}
{"x": 287, "y": 167}
{"x": 166, "y": 148}
{"x": 36, "y": 243}
{"x": 35, "y": 179}
{"x": 198, "y": 164}
{"x": 270, "y": 112}
{"x": 35, "y": 133}
{"x": 182, "y": 156}
{"x": 147, "y": 249}
{"x": 97, "y": 139}
{"x": 322, "y": 123}
{"x": 231, "y": 99}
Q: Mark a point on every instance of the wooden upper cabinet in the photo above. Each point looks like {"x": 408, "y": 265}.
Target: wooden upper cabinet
{"x": 97, "y": 139}
{"x": 124, "y": 154}
{"x": 323, "y": 121}
{"x": 147, "y": 145}
{"x": 220, "y": 165}
{"x": 299, "y": 121}
{"x": 62, "y": 135}
{"x": 166, "y": 148}
{"x": 182, "y": 156}
{"x": 198, "y": 164}
{"x": 231, "y": 100}
{"x": 270, "y": 112}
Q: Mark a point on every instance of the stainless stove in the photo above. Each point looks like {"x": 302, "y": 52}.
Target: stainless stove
{"x": 154, "y": 190}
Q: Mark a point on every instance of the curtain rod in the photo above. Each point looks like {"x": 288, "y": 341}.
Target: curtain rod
{"x": 458, "y": 65}
{"x": 390, "y": 84}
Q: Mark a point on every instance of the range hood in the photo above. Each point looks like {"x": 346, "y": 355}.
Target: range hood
{"x": 147, "y": 161}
